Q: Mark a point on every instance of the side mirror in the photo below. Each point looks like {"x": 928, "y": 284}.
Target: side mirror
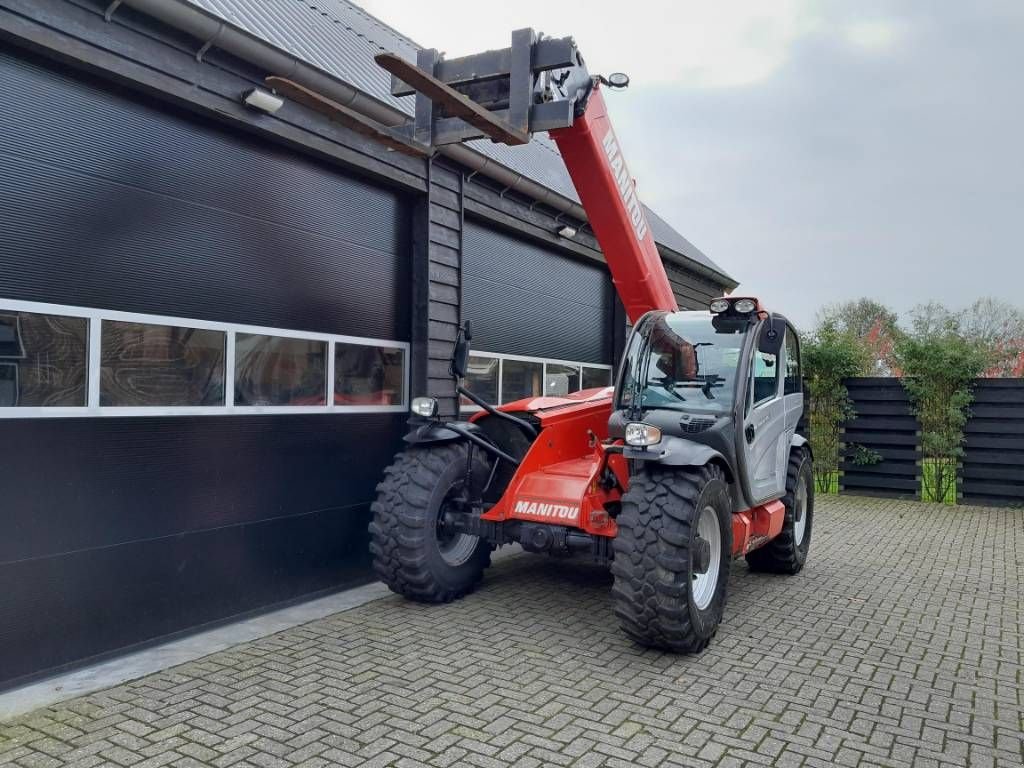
{"x": 772, "y": 335}
{"x": 460, "y": 355}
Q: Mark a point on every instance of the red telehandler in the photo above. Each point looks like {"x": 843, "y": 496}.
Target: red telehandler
{"x": 691, "y": 460}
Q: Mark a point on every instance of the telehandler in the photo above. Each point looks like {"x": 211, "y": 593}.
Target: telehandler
{"x": 691, "y": 460}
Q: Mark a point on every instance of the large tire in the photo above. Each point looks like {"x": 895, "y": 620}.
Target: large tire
{"x": 787, "y": 552}
{"x": 659, "y": 600}
{"x": 410, "y": 554}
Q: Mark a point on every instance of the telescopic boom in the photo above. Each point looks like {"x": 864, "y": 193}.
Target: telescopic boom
{"x": 537, "y": 84}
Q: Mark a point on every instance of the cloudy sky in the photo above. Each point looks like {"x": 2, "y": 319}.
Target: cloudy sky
{"x": 817, "y": 151}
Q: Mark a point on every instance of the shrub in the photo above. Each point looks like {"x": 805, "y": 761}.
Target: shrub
{"x": 938, "y": 366}
{"x": 830, "y": 355}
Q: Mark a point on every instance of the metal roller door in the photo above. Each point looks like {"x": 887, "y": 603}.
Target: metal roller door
{"x": 120, "y": 530}
{"x": 524, "y": 299}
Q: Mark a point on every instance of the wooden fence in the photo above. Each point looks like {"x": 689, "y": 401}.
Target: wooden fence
{"x": 880, "y": 453}
{"x": 992, "y": 470}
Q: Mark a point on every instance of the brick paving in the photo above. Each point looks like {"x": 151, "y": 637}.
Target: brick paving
{"x": 899, "y": 645}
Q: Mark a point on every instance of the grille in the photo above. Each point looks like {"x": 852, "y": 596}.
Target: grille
{"x": 693, "y": 426}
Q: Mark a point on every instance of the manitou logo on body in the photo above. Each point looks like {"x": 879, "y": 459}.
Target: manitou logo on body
{"x": 627, "y": 190}
{"x": 542, "y": 510}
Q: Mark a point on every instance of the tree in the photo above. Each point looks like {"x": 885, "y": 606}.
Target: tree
{"x": 858, "y": 317}
{"x": 999, "y": 326}
{"x": 872, "y": 324}
{"x": 932, "y": 320}
{"x": 939, "y": 365}
{"x": 830, "y": 356}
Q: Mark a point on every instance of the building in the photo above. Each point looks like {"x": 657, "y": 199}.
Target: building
{"x": 211, "y": 318}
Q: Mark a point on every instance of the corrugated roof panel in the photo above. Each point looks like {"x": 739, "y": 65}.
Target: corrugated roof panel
{"x": 331, "y": 35}
{"x": 340, "y": 38}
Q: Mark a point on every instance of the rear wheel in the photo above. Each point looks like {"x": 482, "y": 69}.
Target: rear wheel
{"x": 787, "y": 552}
{"x": 672, "y": 557}
{"x": 413, "y": 553}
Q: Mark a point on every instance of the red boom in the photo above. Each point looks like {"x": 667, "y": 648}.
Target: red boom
{"x": 608, "y": 193}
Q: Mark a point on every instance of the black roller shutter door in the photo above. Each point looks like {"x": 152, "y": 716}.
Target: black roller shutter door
{"x": 525, "y": 299}
{"x": 118, "y": 531}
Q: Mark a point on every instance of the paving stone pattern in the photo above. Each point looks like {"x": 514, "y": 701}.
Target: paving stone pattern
{"x": 899, "y": 645}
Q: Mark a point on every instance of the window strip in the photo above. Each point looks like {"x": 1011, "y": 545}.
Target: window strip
{"x": 94, "y": 354}
{"x": 229, "y": 370}
{"x": 92, "y": 373}
{"x": 528, "y": 359}
{"x": 501, "y": 357}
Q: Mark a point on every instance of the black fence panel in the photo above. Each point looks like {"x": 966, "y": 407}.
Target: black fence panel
{"x": 880, "y": 452}
{"x": 993, "y": 462}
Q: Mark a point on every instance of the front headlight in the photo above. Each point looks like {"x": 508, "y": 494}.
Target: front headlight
{"x": 642, "y": 435}
{"x": 425, "y": 407}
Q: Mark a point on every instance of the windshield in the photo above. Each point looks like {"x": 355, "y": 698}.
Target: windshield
{"x": 679, "y": 361}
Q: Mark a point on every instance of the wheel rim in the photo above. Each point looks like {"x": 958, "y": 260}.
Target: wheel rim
{"x": 704, "y": 584}
{"x": 455, "y": 548}
{"x": 800, "y": 511}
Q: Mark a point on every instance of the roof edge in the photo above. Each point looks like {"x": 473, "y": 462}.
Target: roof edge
{"x": 684, "y": 261}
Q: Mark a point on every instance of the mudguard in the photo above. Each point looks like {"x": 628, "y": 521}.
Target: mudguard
{"x": 424, "y": 432}
{"x": 799, "y": 441}
{"x": 676, "y": 452}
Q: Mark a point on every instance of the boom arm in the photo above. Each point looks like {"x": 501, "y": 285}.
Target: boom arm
{"x": 537, "y": 84}
{"x": 594, "y": 160}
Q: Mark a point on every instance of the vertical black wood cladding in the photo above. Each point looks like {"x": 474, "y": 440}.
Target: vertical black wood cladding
{"x": 993, "y": 462}
{"x": 885, "y": 426}
{"x": 119, "y": 531}
{"x": 444, "y": 227}
{"x": 525, "y": 299}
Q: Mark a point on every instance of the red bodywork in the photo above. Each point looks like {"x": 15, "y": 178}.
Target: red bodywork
{"x": 560, "y": 479}
{"x": 608, "y": 193}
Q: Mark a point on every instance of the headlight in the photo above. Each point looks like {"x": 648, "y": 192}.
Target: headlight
{"x": 719, "y": 305}
{"x": 745, "y": 305}
{"x": 425, "y": 407}
{"x": 642, "y": 435}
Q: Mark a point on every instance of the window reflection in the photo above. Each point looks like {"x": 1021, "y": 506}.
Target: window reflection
{"x": 482, "y": 379}
{"x": 275, "y": 370}
{"x": 596, "y": 377}
{"x": 160, "y": 365}
{"x": 43, "y": 360}
{"x": 368, "y": 375}
{"x": 520, "y": 379}
{"x": 561, "y": 379}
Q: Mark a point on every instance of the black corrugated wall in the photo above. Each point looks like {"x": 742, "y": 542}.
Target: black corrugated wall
{"x": 116, "y": 531}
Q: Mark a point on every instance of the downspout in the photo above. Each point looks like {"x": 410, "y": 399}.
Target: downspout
{"x": 214, "y": 31}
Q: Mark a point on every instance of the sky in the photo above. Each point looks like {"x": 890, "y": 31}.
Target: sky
{"x": 818, "y": 151}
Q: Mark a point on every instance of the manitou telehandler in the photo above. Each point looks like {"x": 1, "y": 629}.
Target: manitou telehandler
{"x": 691, "y": 460}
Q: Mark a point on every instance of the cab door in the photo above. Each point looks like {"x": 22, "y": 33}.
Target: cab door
{"x": 793, "y": 384}
{"x": 765, "y": 443}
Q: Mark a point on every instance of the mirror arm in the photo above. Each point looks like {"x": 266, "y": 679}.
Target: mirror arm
{"x": 521, "y": 423}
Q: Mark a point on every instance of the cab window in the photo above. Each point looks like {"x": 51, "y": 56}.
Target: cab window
{"x": 794, "y": 382}
{"x": 766, "y": 376}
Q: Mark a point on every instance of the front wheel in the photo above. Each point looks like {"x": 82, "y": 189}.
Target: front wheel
{"x": 672, "y": 557}
{"x": 787, "y": 552}
{"x": 412, "y": 552}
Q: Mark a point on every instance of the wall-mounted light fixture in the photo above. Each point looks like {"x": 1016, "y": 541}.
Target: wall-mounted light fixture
{"x": 567, "y": 232}
{"x": 264, "y": 101}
